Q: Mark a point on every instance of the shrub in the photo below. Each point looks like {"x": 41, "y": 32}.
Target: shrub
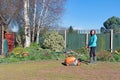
{"x": 39, "y": 54}
{"x": 33, "y": 54}
{"x": 84, "y": 57}
{"x": 18, "y": 50}
{"x": 34, "y": 46}
{"x": 83, "y": 53}
{"x": 117, "y": 51}
{"x": 53, "y": 41}
{"x": 116, "y": 57}
{"x": 82, "y": 50}
{"x": 104, "y": 55}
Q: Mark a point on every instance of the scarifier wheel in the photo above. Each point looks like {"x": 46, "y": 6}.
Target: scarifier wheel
{"x": 67, "y": 64}
{"x": 78, "y": 64}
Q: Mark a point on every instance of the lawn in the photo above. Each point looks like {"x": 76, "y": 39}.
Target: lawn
{"x": 54, "y": 70}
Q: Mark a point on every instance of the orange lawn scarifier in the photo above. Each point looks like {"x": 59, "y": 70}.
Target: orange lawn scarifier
{"x": 71, "y": 60}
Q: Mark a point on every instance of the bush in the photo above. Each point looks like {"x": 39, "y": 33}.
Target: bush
{"x": 117, "y": 51}
{"x": 84, "y": 57}
{"x": 34, "y": 54}
{"x": 82, "y": 50}
{"x": 104, "y": 56}
{"x": 18, "y": 50}
{"x": 116, "y": 55}
{"x": 53, "y": 41}
{"x": 83, "y": 53}
{"x": 34, "y": 46}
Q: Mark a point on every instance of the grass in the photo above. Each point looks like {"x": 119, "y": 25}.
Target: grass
{"x": 54, "y": 70}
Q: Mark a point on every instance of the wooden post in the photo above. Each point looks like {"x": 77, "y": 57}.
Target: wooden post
{"x": 86, "y": 37}
{"x": 3, "y": 29}
{"x": 111, "y": 40}
{"x": 0, "y": 38}
{"x": 65, "y": 39}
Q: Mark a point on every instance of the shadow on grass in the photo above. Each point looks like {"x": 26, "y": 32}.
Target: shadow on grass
{"x": 63, "y": 63}
{"x": 83, "y": 61}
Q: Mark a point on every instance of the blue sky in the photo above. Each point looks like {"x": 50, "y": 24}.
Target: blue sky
{"x": 89, "y": 14}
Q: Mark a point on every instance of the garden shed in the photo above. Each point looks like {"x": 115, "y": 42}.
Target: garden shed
{"x": 6, "y": 38}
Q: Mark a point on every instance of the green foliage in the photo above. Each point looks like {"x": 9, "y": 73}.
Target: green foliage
{"x": 84, "y": 57}
{"x": 83, "y": 53}
{"x": 34, "y": 45}
{"x": 70, "y": 29}
{"x": 9, "y": 59}
{"x": 102, "y": 29}
{"x": 16, "y": 55}
{"x": 34, "y": 53}
{"x": 53, "y": 41}
{"x": 104, "y": 55}
{"x": 20, "y": 38}
{"x": 116, "y": 57}
{"x": 115, "y": 27}
{"x": 82, "y": 50}
{"x": 112, "y": 23}
{"x": 18, "y": 50}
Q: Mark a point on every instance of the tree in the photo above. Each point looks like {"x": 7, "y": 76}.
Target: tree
{"x": 70, "y": 29}
{"x": 49, "y": 13}
{"x": 112, "y": 23}
{"x": 102, "y": 29}
{"x": 10, "y": 9}
{"x": 34, "y": 20}
{"x": 32, "y": 15}
{"x": 27, "y": 23}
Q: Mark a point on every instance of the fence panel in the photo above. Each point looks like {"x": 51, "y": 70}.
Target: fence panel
{"x": 103, "y": 42}
{"x": 116, "y": 41}
{"x": 78, "y": 40}
{"x": 75, "y": 40}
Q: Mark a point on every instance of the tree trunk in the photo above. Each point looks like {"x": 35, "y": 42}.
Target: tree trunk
{"x": 33, "y": 34}
{"x": 40, "y": 21}
{"x": 27, "y": 23}
{"x": 38, "y": 36}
